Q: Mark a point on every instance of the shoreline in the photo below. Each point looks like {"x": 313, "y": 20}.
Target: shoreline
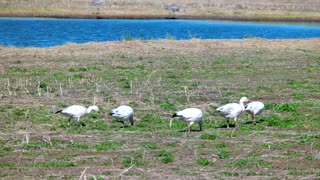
{"x": 146, "y": 17}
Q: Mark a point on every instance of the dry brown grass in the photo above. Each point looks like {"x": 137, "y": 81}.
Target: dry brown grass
{"x": 201, "y": 51}
{"x": 232, "y": 9}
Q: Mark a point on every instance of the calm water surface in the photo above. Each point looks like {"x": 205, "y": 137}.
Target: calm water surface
{"x": 25, "y": 32}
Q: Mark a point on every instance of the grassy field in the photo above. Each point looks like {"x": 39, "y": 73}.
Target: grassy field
{"x": 157, "y": 78}
{"x": 284, "y": 10}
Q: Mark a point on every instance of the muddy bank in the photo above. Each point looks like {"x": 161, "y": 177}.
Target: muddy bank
{"x": 189, "y": 17}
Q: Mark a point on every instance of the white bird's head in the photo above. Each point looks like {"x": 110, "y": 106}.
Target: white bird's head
{"x": 93, "y": 108}
{"x": 243, "y": 99}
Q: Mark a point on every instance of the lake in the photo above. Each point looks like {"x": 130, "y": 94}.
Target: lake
{"x": 37, "y": 32}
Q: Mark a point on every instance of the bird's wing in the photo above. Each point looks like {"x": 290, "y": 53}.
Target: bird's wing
{"x": 75, "y": 110}
{"x": 128, "y": 110}
{"x": 122, "y": 111}
{"x": 260, "y": 105}
{"x": 254, "y": 106}
{"x": 190, "y": 113}
{"x": 227, "y": 109}
{"x": 248, "y": 107}
{"x": 114, "y": 110}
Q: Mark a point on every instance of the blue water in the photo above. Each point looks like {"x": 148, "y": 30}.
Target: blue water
{"x": 26, "y": 32}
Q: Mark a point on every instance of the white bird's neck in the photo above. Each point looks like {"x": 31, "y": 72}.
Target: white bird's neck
{"x": 89, "y": 109}
{"x": 241, "y": 104}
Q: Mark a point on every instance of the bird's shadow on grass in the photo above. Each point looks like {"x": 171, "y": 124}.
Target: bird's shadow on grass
{"x": 192, "y": 130}
{"x": 123, "y": 124}
{"x": 225, "y": 126}
{"x": 258, "y": 121}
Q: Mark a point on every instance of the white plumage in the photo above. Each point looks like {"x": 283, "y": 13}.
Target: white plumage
{"x": 77, "y": 111}
{"x": 172, "y": 8}
{"x": 192, "y": 115}
{"x": 97, "y": 3}
{"x": 124, "y": 113}
{"x": 232, "y": 110}
{"x": 254, "y": 108}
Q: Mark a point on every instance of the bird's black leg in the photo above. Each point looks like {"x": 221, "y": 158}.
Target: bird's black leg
{"x": 80, "y": 123}
{"x": 131, "y": 120}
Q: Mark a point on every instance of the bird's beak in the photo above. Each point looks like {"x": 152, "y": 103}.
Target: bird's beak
{"x": 170, "y": 124}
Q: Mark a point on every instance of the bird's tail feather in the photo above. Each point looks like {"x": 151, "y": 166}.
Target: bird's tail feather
{"x": 59, "y": 111}
{"x": 176, "y": 115}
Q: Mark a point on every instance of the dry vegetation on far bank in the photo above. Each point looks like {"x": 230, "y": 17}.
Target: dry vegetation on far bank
{"x": 285, "y": 10}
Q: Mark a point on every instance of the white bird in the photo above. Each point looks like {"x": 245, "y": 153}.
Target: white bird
{"x": 97, "y": 3}
{"x": 254, "y": 108}
{"x": 124, "y": 113}
{"x": 172, "y": 8}
{"x": 77, "y": 111}
{"x": 232, "y": 110}
{"x": 192, "y": 115}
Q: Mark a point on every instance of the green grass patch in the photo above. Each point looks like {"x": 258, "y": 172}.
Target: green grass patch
{"x": 8, "y": 165}
{"x": 165, "y": 156}
{"x": 229, "y": 173}
{"x": 149, "y": 145}
{"x": 129, "y": 161}
{"x": 207, "y": 136}
{"x": 78, "y": 145}
{"x": 248, "y": 163}
{"x": 107, "y": 145}
{"x": 98, "y": 125}
{"x": 55, "y": 164}
{"x": 283, "y": 107}
{"x": 33, "y": 145}
{"x": 203, "y": 162}
{"x": 224, "y": 154}
{"x": 6, "y": 150}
